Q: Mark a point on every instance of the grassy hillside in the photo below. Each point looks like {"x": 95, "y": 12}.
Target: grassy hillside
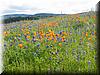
{"x": 57, "y": 44}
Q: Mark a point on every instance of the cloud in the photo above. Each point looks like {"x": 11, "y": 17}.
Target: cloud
{"x": 46, "y": 6}
{"x": 19, "y": 7}
{"x": 15, "y": 9}
{"x": 9, "y": 11}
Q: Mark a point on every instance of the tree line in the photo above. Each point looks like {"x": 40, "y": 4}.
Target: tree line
{"x": 15, "y": 19}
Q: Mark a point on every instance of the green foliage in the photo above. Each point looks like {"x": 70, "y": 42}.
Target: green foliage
{"x": 75, "y": 55}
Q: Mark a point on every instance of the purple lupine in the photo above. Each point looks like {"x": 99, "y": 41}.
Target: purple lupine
{"x": 57, "y": 38}
{"x": 80, "y": 39}
{"x": 74, "y": 40}
{"x": 33, "y": 40}
{"x": 57, "y": 53}
{"x": 38, "y": 45}
{"x": 60, "y": 32}
{"x": 45, "y": 35}
{"x": 92, "y": 33}
{"x": 30, "y": 26}
{"x": 26, "y": 47}
{"x": 27, "y": 39}
{"x": 70, "y": 33}
{"x": 50, "y": 58}
{"x": 89, "y": 62}
{"x": 60, "y": 39}
{"x": 19, "y": 38}
{"x": 5, "y": 45}
{"x": 52, "y": 38}
{"x": 11, "y": 44}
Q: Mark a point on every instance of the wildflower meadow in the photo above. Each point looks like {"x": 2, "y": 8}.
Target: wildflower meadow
{"x": 53, "y": 44}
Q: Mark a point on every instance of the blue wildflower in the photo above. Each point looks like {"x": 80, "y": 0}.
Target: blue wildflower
{"x": 33, "y": 40}
{"x": 50, "y": 58}
{"x": 60, "y": 39}
{"x": 26, "y": 47}
{"x": 38, "y": 45}
{"x": 4, "y": 45}
{"x": 89, "y": 62}
{"x": 11, "y": 44}
{"x": 56, "y": 53}
{"x": 19, "y": 38}
{"x": 60, "y": 32}
{"x": 92, "y": 33}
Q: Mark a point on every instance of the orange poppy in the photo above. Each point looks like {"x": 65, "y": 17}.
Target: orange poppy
{"x": 28, "y": 37}
{"x": 42, "y": 35}
{"x": 90, "y": 39}
{"x": 47, "y": 35}
{"x": 95, "y": 32}
{"x": 20, "y": 45}
{"x": 50, "y": 38}
{"x": 86, "y": 35}
{"x": 62, "y": 40}
{"x": 55, "y": 40}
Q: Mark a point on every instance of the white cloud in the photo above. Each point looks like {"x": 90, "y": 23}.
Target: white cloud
{"x": 55, "y": 6}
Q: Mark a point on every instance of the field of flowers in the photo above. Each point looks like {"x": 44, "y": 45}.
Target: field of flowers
{"x": 54, "y": 44}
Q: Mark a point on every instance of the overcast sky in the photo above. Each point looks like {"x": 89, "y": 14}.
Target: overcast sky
{"x": 46, "y": 6}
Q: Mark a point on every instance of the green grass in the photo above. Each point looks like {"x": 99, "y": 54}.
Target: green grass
{"x": 72, "y": 56}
